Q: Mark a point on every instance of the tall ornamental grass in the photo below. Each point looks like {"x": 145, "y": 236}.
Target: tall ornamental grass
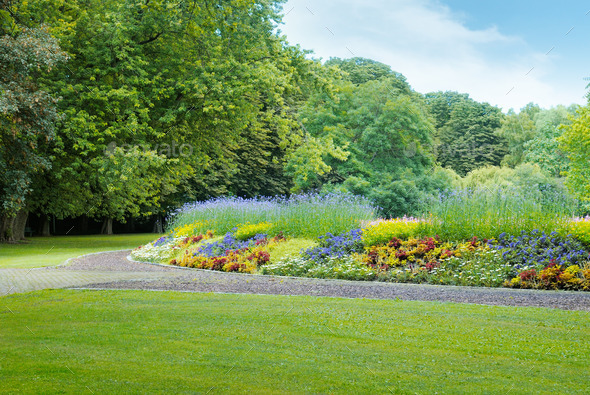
{"x": 309, "y": 215}
{"x": 488, "y": 212}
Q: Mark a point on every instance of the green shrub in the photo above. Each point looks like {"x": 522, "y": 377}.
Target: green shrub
{"x": 248, "y": 230}
{"x": 579, "y": 228}
{"x": 383, "y": 231}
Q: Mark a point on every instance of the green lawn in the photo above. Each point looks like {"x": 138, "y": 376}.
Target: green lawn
{"x": 136, "y": 341}
{"x": 48, "y": 251}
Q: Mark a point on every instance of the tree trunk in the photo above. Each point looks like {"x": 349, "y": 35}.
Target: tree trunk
{"x": 5, "y": 228}
{"x": 44, "y": 231}
{"x": 158, "y": 228}
{"x": 107, "y": 227}
{"x": 84, "y": 225}
{"x": 13, "y": 228}
{"x": 20, "y": 223}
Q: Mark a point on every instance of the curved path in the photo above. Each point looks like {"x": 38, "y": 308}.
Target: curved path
{"x": 112, "y": 270}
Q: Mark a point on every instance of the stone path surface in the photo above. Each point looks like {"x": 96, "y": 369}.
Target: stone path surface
{"x": 21, "y": 280}
{"x": 77, "y": 272}
{"x": 112, "y": 270}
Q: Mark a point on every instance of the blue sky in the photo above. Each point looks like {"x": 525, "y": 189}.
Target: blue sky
{"x": 508, "y": 53}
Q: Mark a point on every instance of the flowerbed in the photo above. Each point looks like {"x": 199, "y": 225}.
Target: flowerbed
{"x": 390, "y": 250}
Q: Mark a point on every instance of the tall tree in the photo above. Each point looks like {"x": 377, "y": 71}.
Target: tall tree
{"x": 210, "y": 76}
{"x": 544, "y": 149}
{"x": 27, "y": 115}
{"x": 517, "y": 130}
{"x": 441, "y": 104}
{"x": 383, "y": 133}
{"x": 469, "y": 140}
{"x": 575, "y": 142}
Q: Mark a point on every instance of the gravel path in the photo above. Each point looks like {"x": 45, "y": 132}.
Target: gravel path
{"x": 194, "y": 280}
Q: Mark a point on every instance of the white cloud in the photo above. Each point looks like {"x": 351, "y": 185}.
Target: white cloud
{"x": 431, "y": 46}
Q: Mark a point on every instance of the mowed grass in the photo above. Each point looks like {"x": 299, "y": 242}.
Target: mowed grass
{"x": 150, "y": 342}
{"x": 54, "y": 250}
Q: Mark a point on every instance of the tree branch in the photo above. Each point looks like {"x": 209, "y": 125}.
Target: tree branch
{"x": 149, "y": 40}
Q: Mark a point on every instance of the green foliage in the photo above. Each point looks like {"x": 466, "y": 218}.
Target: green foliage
{"x": 383, "y": 130}
{"x": 523, "y": 176}
{"x": 131, "y": 183}
{"x": 345, "y": 268}
{"x": 248, "y": 230}
{"x": 579, "y": 229}
{"x": 441, "y": 104}
{"x": 27, "y": 112}
{"x": 544, "y": 148}
{"x": 480, "y": 268}
{"x": 576, "y": 142}
{"x": 384, "y": 231}
{"x": 214, "y": 79}
{"x": 469, "y": 139}
{"x": 517, "y": 130}
{"x": 486, "y": 212}
{"x": 362, "y": 70}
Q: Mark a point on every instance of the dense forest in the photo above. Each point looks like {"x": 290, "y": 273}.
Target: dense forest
{"x": 117, "y": 109}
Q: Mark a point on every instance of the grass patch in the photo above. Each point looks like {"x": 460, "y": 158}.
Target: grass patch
{"x": 291, "y": 247}
{"x": 307, "y": 216}
{"x": 138, "y": 342}
{"x": 54, "y": 250}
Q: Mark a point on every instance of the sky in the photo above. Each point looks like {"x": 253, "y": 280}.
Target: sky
{"x": 505, "y": 52}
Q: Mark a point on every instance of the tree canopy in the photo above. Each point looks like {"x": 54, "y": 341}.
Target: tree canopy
{"x": 117, "y": 109}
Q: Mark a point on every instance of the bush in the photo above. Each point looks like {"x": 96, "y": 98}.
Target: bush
{"x": 247, "y": 230}
{"x": 381, "y": 232}
{"x": 414, "y": 253}
{"x": 579, "y": 228}
{"x": 480, "y": 267}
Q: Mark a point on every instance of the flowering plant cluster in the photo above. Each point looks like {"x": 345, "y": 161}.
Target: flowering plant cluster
{"x": 331, "y": 246}
{"x": 388, "y": 250}
{"x": 188, "y": 229}
{"x": 553, "y": 276}
{"x": 158, "y": 251}
{"x": 230, "y": 254}
{"x": 536, "y": 249}
{"x": 579, "y": 228}
{"x": 228, "y": 243}
{"x": 481, "y": 266}
{"x": 342, "y": 268}
{"x": 427, "y": 253}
